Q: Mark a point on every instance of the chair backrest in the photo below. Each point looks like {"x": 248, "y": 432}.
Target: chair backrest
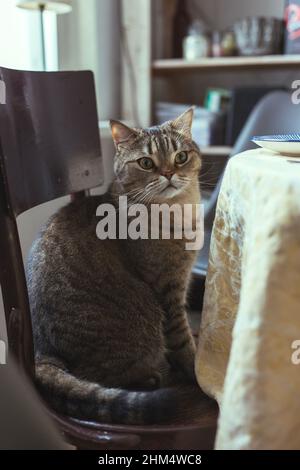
{"x": 49, "y": 147}
{"x": 49, "y": 136}
{"x": 274, "y": 114}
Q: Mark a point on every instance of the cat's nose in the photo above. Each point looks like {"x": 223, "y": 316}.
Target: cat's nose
{"x": 167, "y": 174}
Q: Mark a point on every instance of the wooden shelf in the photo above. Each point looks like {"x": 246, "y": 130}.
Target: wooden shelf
{"x": 269, "y": 61}
{"x": 217, "y": 151}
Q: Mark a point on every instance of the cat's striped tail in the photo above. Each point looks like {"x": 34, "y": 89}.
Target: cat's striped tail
{"x": 84, "y": 400}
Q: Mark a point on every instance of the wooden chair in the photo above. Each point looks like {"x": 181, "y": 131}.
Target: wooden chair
{"x": 50, "y": 147}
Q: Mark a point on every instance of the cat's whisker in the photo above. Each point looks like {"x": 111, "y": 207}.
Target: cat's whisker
{"x": 146, "y": 199}
{"x": 129, "y": 193}
{"x": 152, "y": 183}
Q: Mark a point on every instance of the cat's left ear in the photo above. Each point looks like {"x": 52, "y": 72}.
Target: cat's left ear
{"x": 121, "y": 133}
{"x": 183, "y": 124}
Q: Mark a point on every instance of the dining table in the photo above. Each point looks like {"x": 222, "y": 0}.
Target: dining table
{"x": 248, "y": 353}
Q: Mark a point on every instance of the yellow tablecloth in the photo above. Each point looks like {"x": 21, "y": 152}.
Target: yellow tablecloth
{"x": 251, "y": 315}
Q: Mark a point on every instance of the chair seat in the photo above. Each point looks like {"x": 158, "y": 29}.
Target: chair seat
{"x": 194, "y": 429}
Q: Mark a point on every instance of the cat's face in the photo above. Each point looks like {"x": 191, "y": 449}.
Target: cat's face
{"x": 158, "y": 164}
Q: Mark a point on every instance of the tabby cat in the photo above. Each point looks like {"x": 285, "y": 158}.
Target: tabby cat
{"x": 112, "y": 340}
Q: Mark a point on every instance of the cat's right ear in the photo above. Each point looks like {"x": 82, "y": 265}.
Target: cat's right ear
{"x": 121, "y": 133}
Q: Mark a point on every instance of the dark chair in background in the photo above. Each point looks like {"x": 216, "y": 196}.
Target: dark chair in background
{"x": 274, "y": 114}
{"x": 50, "y": 147}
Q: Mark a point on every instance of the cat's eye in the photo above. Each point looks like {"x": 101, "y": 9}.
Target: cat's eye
{"x": 181, "y": 158}
{"x": 146, "y": 163}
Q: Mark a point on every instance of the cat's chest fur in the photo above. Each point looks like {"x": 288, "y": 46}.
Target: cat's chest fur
{"x": 159, "y": 262}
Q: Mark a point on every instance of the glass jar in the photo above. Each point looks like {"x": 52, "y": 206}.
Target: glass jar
{"x": 197, "y": 43}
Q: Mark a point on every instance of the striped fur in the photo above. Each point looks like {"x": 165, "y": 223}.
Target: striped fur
{"x": 111, "y": 335}
{"x": 87, "y": 400}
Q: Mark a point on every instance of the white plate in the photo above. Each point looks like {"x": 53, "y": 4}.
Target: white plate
{"x": 284, "y": 144}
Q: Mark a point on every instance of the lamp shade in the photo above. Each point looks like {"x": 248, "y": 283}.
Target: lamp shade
{"x": 57, "y": 6}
